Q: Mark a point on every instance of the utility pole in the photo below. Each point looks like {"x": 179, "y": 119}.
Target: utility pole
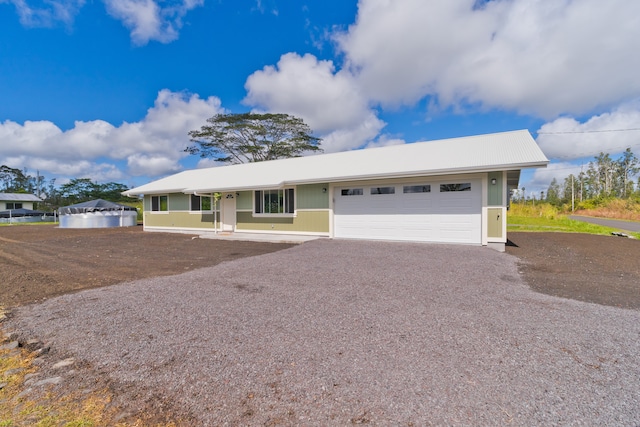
{"x": 573, "y": 197}
{"x": 37, "y": 182}
{"x": 581, "y": 179}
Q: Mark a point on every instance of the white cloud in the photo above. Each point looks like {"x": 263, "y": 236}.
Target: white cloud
{"x": 152, "y": 147}
{"x": 385, "y": 141}
{"x": 329, "y": 102}
{"x": 260, "y": 7}
{"x": 358, "y": 136}
{"x": 610, "y": 132}
{"x": 151, "y": 20}
{"x": 48, "y": 13}
{"x": 542, "y": 57}
{"x": 542, "y": 177}
{"x": 97, "y": 171}
{"x": 146, "y": 19}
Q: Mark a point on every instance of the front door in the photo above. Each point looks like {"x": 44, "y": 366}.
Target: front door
{"x": 228, "y": 213}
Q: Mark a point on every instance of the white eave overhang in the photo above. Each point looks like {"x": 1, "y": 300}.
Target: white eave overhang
{"x": 352, "y": 178}
{"x": 477, "y": 154}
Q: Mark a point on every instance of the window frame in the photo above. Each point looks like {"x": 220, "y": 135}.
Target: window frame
{"x": 455, "y": 187}
{"x": 408, "y": 188}
{"x": 382, "y": 191}
{"x": 14, "y": 205}
{"x": 285, "y": 199}
{"x": 157, "y": 206}
{"x": 352, "y": 191}
{"x": 213, "y": 206}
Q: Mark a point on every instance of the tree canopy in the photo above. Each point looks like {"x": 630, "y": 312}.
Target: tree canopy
{"x": 250, "y": 137}
{"x": 75, "y": 191}
{"x": 83, "y": 189}
{"x": 19, "y": 181}
{"x": 604, "y": 177}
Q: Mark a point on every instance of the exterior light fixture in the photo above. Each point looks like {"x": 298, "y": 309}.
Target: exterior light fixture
{"x": 493, "y": 181}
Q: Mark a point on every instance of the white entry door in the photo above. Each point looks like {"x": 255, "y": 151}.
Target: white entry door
{"x": 448, "y": 212}
{"x": 228, "y": 212}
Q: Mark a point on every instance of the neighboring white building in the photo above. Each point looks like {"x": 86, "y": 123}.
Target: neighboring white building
{"x": 451, "y": 191}
{"x": 11, "y": 201}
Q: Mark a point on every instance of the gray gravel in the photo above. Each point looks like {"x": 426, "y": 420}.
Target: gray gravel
{"x": 340, "y": 332}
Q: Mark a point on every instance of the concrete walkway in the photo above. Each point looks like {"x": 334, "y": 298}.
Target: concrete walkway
{"x": 614, "y": 223}
{"x": 261, "y": 237}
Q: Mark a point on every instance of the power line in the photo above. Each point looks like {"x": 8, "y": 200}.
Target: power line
{"x": 588, "y": 131}
{"x": 595, "y": 152}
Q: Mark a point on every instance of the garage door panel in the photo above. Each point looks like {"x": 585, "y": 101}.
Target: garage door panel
{"x": 452, "y": 216}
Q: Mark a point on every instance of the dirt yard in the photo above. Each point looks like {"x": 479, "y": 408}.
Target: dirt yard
{"x": 38, "y": 262}
{"x": 599, "y": 269}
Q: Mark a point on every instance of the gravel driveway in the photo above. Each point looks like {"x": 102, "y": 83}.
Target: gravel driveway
{"x": 340, "y": 332}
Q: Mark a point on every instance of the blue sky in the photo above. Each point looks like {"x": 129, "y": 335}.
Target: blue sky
{"x": 108, "y": 89}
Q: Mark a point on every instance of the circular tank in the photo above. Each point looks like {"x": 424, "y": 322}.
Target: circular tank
{"x": 102, "y": 219}
{"x": 97, "y": 214}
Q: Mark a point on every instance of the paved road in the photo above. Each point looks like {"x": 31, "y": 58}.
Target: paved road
{"x": 614, "y": 223}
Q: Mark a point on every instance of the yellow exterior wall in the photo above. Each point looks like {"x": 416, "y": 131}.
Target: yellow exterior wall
{"x": 304, "y": 221}
{"x": 494, "y": 223}
{"x": 179, "y": 219}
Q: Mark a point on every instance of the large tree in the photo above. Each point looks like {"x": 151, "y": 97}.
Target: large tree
{"x": 83, "y": 189}
{"x": 249, "y": 137}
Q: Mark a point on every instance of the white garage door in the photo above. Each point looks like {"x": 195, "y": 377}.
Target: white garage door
{"x": 429, "y": 212}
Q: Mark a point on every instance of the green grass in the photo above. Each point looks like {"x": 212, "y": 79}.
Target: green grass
{"x": 547, "y": 218}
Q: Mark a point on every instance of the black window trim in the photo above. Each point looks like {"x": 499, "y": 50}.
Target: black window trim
{"x": 158, "y": 203}
{"x": 199, "y": 209}
{"x": 382, "y": 191}
{"x": 288, "y": 202}
{"x": 453, "y": 187}
{"x": 352, "y": 191}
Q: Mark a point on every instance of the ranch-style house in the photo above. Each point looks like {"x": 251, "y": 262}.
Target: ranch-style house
{"x": 449, "y": 191}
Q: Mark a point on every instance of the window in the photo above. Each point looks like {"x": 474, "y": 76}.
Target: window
{"x": 455, "y": 187}
{"x": 274, "y": 201}
{"x": 13, "y": 205}
{"x": 352, "y": 192}
{"x": 201, "y": 203}
{"x": 408, "y": 189}
{"x": 383, "y": 190}
{"x": 159, "y": 203}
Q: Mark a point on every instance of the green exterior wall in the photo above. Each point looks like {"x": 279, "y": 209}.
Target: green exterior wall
{"x": 304, "y": 221}
{"x": 312, "y": 196}
{"x": 179, "y": 202}
{"x": 495, "y": 191}
{"x": 176, "y": 201}
{"x": 244, "y": 200}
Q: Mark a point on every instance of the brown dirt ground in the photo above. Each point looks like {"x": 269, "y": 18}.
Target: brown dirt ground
{"x": 599, "y": 269}
{"x": 38, "y": 262}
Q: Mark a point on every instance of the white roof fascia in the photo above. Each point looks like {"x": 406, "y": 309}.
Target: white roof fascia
{"x": 232, "y": 189}
{"x": 481, "y": 153}
{"x": 428, "y": 173}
